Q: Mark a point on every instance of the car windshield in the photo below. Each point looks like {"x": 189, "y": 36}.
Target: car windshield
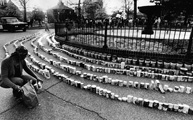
{"x": 11, "y": 20}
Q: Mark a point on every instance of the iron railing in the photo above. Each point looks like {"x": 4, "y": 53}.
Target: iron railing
{"x": 170, "y": 40}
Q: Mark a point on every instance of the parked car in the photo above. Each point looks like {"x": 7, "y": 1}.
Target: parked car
{"x": 1, "y": 26}
{"x": 12, "y": 24}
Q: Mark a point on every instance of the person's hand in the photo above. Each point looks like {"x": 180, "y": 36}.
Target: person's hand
{"x": 18, "y": 88}
{"x": 38, "y": 85}
{"x": 39, "y": 80}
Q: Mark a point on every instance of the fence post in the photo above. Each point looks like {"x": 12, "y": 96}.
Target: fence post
{"x": 105, "y": 37}
{"x": 66, "y": 25}
{"x": 189, "y": 45}
{"x": 56, "y": 27}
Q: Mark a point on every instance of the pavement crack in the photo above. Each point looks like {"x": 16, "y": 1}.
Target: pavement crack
{"x": 74, "y": 104}
{"x": 71, "y": 102}
{"x": 9, "y": 108}
{"x": 53, "y": 85}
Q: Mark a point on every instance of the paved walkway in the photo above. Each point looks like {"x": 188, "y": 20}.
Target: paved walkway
{"x": 51, "y": 107}
{"x": 59, "y": 101}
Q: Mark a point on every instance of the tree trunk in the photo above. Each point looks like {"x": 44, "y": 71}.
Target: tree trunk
{"x": 135, "y": 11}
{"x": 25, "y": 16}
{"x": 186, "y": 19}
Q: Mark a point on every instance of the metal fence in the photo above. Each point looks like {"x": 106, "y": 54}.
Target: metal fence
{"x": 167, "y": 39}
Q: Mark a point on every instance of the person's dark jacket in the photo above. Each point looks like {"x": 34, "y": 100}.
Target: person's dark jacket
{"x": 8, "y": 71}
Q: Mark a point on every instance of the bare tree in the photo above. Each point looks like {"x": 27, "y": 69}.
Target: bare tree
{"x": 91, "y": 8}
{"x": 23, "y": 4}
{"x": 127, "y": 6}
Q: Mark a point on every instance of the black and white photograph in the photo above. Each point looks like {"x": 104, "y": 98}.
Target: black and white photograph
{"x": 96, "y": 60}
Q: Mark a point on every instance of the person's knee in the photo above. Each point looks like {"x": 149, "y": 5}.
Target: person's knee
{"x": 27, "y": 78}
{"x": 18, "y": 81}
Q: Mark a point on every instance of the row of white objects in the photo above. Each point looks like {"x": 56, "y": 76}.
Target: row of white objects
{"x": 134, "y": 61}
{"x": 182, "y": 71}
{"x": 105, "y": 79}
{"x": 130, "y": 99}
{"x": 135, "y": 71}
{"x": 183, "y": 108}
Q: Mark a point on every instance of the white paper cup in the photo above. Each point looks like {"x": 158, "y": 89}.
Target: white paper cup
{"x": 185, "y": 108}
{"x": 160, "y": 107}
{"x": 166, "y": 65}
{"x": 134, "y": 100}
{"x": 124, "y": 99}
{"x": 182, "y": 89}
{"x": 188, "y": 90}
{"x": 122, "y": 65}
{"x": 130, "y": 99}
{"x": 176, "y": 107}
{"x": 151, "y": 103}
{"x": 46, "y": 74}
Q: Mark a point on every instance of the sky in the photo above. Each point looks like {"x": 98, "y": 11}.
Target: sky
{"x": 110, "y": 5}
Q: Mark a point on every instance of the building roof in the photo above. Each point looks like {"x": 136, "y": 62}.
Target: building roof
{"x": 5, "y": 3}
{"x": 12, "y": 4}
{"x": 61, "y": 6}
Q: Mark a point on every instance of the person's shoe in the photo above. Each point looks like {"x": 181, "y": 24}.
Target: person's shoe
{"x": 17, "y": 94}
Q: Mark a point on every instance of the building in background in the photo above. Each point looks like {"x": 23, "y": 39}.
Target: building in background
{"x": 3, "y": 3}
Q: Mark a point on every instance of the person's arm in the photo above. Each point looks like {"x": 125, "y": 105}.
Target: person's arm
{"x": 30, "y": 72}
{"x": 5, "y": 79}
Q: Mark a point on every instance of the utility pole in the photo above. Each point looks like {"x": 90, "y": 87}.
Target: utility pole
{"x": 23, "y": 3}
{"x": 135, "y": 11}
{"x": 25, "y": 11}
{"x": 125, "y": 5}
{"x": 79, "y": 10}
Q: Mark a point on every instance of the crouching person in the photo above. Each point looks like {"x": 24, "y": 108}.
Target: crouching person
{"x": 12, "y": 71}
